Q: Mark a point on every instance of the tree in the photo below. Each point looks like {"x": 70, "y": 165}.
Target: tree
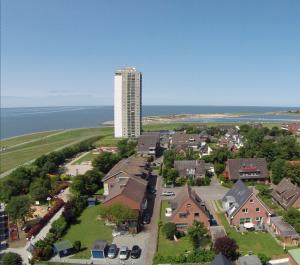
{"x": 292, "y": 216}
{"x": 105, "y": 161}
{"x": 279, "y": 169}
{"x": 263, "y": 258}
{"x": 77, "y": 245}
{"x": 11, "y": 258}
{"x": 117, "y": 213}
{"x": 227, "y": 247}
{"x": 39, "y": 189}
{"x": 18, "y": 208}
{"x": 196, "y": 233}
{"x": 219, "y": 168}
{"x": 126, "y": 147}
{"x": 169, "y": 229}
{"x": 59, "y": 226}
{"x": 170, "y": 175}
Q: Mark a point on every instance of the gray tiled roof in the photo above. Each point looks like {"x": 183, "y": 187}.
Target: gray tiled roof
{"x": 182, "y": 166}
{"x": 145, "y": 141}
{"x": 286, "y": 193}
{"x": 286, "y": 229}
{"x": 220, "y": 259}
{"x": 240, "y": 193}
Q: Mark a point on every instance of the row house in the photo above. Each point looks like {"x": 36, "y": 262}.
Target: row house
{"x": 294, "y": 127}
{"x": 247, "y": 169}
{"x": 148, "y": 144}
{"x": 192, "y": 169}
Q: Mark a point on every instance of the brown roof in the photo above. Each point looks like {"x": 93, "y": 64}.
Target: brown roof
{"x": 247, "y": 168}
{"x": 183, "y": 138}
{"x": 286, "y": 193}
{"x": 145, "y": 141}
{"x": 184, "y": 167}
{"x": 132, "y": 166}
{"x": 186, "y": 194}
{"x": 133, "y": 188}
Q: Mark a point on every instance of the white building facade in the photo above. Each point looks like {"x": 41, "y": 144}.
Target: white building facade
{"x": 127, "y": 103}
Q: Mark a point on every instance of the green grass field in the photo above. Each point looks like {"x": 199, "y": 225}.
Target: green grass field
{"x": 25, "y": 138}
{"x": 256, "y": 242}
{"x": 21, "y": 154}
{"x": 87, "y": 157}
{"x": 168, "y": 247}
{"x": 87, "y": 230}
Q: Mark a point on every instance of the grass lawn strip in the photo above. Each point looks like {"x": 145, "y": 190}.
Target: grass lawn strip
{"x": 87, "y": 230}
{"x": 168, "y": 247}
{"x": 256, "y": 242}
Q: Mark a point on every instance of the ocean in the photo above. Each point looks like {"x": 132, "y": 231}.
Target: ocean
{"x": 18, "y": 121}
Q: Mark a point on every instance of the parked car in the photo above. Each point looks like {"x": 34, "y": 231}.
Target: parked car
{"x": 135, "y": 252}
{"x": 112, "y": 251}
{"x": 146, "y": 218}
{"x": 152, "y": 190}
{"x": 123, "y": 253}
{"x": 168, "y": 212}
{"x": 168, "y": 193}
{"x": 118, "y": 232}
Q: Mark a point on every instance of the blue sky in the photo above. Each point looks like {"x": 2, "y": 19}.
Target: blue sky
{"x": 64, "y": 52}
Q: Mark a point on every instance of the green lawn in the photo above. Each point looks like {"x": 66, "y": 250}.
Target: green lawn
{"x": 167, "y": 247}
{"x": 21, "y": 154}
{"x": 87, "y": 230}
{"x": 87, "y": 157}
{"x": 25, "y": 138}
{"x": 256, "y": 242}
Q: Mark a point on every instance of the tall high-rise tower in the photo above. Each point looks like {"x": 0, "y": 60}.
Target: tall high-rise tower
{"x": 128, "y": 103}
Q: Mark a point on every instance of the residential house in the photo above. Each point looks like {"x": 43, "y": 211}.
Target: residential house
{"x": 190, "y": 168}
{"x": 294, "y": 127}
{"x": 126, "y": 183}
{"x": 249, "y": 260}
{"x": 242, "y": 206}
{"x": 287, "y": 194}
{"x": 192, "y": 141}
{"x": 285, "y": 231}
{"x": 63, "y": 248}
{"x": 187, "y": 206}
{"x": 4, "y": 231}
{"x": 204, "y": 149}
{"x": 124, "y": 169}
{"x": 247, "y": 169}
{"x": 99, "y": 249}
{"x": 148, "y": 144}
{"x": 220, "y": 259}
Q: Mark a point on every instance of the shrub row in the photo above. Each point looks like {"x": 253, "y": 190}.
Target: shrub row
{"x": 58, "y": 203}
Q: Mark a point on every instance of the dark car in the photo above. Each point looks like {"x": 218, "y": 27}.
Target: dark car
{"x": 135, "y": 252}
{"x": 146, "y": 218}
{"x": 112, "y": 251}
{"x": 152, "y": 190}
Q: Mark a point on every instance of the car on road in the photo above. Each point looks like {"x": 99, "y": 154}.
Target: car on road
{"x": 123, "y": 253}
{"x": 135, "y": 252}
{"x": 152, "y": 190}
{"x": 168, "y": 193}
{"x": 146, "y": 218}
{"x": 112, "y": 251}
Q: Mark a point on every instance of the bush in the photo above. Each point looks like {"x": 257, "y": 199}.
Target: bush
{"x": 11, "y": 258}
{"x": 169, "y": 229}
{"x": 227, "y": 247}
{"x": 77, "y": 246}
{"x": 263, "y": 258}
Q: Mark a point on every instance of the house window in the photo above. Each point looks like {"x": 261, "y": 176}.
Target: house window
{"x": 182, "y": 215}
{"x": 196, "y": 214}
{"x": 258, "y": 219}
{"x": 188, "y": 205}
{"x": 251, "y": 200}
{"x": 257, "y": 210}
{"x": 242, "y": 221}
{"x": 245, "y": 210}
